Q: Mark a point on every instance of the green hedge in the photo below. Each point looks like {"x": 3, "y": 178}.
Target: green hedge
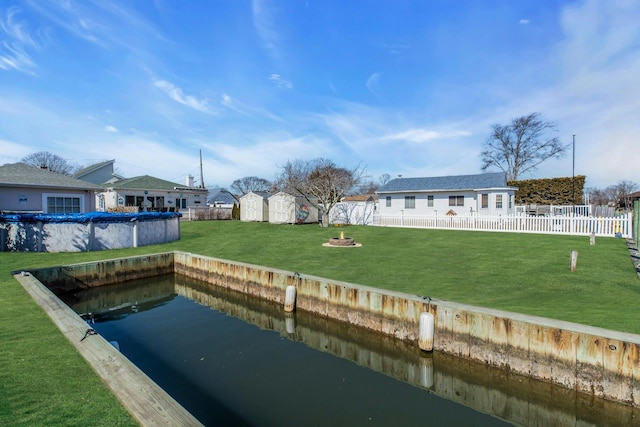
{"x": 550, "y": 191}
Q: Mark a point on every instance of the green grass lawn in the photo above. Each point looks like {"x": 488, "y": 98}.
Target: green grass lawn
{"x": 44, "y": 381}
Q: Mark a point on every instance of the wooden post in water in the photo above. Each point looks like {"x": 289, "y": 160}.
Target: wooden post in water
{"x": 425, "y": 331}
{"x": 574, "y": 260}
{"x": 290, "y": 299}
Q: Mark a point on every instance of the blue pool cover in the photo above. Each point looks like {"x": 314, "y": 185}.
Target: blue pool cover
{"x": 88, "y": 217}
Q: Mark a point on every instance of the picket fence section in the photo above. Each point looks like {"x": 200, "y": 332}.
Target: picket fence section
{"x": 619, "y": 226}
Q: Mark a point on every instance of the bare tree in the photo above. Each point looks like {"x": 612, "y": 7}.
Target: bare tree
{"x": 521, "y": 145}
{"x": 251, "y": 183}
{"x": 384, "y": 178}
{"x": 353, "y": 213}
{"x": 366, "y": 187}
{"x": 622, "y": 192}
{"x": 46, "y": 160}
{"x": 319, "y": 181}
{"x": 342, "y": 213}
{"x": 598, "y": 197}
{"x": 618, "y": 195}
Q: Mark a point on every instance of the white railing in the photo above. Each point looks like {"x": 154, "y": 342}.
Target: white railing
{"x": 620, "y": 226}
{"x": 203, "y": 213}
{"x": 553, "y": 210}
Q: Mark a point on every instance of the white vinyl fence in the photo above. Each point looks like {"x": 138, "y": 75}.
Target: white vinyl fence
{"x": 620, "y": 226}
{"x": 204, "y": 213}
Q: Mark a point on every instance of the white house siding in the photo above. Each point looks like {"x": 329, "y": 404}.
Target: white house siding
{"x": 158, "y": 200}
{"x": 472, "y": 204}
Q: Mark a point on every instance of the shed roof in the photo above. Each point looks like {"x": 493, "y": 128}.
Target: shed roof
{"x": 444, "y": 183}
{"x": 264, "y": 194}
{"x": 23, "y": 175}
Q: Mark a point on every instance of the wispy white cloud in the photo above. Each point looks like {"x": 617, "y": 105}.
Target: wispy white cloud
{"x": 178, "y": 95}
{"x": 425, "y": 135}
{"x": 17, "y": 39}
{"x": 246, "y": 110}
{"x": 110, "y": 129}
{"x": 264, "y": 23}
{"x": 232, "y": 104}
{"x": 524, "y": 21}
{"x": 280, "y": 82}
{"x": 12, "y": 152}
{"x": 372, "y": 82}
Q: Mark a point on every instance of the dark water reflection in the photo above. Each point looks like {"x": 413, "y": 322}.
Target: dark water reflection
{"x": 235, "y": 360}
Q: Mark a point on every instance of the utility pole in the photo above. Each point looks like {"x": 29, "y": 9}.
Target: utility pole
{"x": 201, "y": 175}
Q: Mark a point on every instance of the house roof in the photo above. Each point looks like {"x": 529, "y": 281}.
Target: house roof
{"x": 91, "y": 168}
{"x": 146, "y": 182}
{"x": 444, "y": 183}
{"x": 23, "y": 175}
{"x": 220, "y": 195}
{"x": 361, "y": 198}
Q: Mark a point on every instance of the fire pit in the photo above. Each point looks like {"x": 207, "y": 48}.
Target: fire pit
{"x": 342, "y": 241}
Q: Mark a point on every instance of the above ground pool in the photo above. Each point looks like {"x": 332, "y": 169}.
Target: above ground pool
{"x": 93, "y": 231}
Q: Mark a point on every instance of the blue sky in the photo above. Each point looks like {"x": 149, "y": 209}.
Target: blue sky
{"x": 398, "y": 87}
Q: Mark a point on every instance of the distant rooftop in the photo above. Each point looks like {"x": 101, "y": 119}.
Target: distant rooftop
{"x": 23, "y": 175}
{"x": 444, "y": 183}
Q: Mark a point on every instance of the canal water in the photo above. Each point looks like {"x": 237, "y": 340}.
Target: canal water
{"x": 234, "y": 360}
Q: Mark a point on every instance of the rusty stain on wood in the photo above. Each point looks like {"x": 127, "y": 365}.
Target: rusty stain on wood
{"x": 592, "y": 360}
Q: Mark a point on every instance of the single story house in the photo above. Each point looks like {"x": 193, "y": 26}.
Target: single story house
{"x": 25, "y": 188}
{"x": 151, "y": 194}
{"x": 481, "y": 194}
{"x": 285, "y": 208}
{"x": 358, "y": 209}
{"x": 254, "y": 206}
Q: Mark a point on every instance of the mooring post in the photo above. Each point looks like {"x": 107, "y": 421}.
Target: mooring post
{"x": 290, "y": 295}
{"x": 574, "y": 260}
{"x": 425, "y": 331}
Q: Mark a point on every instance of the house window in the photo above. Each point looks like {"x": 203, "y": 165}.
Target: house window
{"x": 410, "y": 202}
{"x": 429, "y": 201}
{"x": 456, "y": 200}
{"x": 181, "y": 203}
{"x": 388, "y": 201}
{"x": 498, "y": 201}
{"x": 485, "y": 201}
{"x": 510, "y": 201}
{"x": 63, "y": 205}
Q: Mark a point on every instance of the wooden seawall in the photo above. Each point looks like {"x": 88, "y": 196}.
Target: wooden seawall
{"x": 595, "y": 361}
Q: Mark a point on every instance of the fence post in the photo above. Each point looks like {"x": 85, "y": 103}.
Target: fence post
{"x": 636, "y": 222}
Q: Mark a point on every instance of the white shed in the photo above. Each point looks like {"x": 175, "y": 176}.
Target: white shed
{"x": 254, "y": 206}
{"x": 286, "y": 208}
